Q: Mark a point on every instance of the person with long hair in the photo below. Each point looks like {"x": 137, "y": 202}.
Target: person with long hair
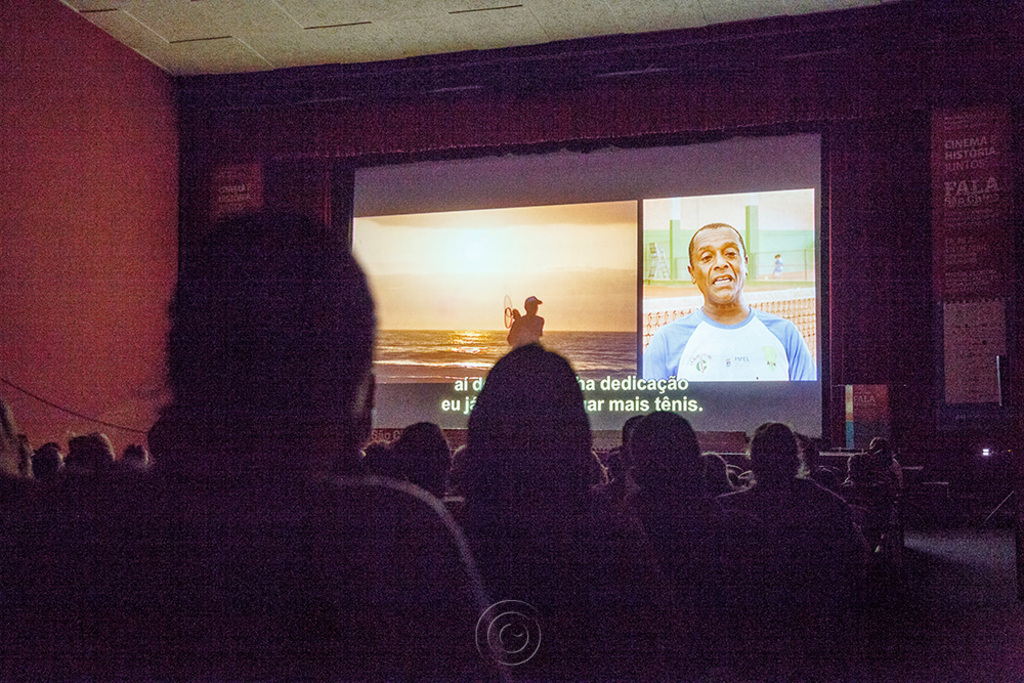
{"x": 539, "y": 536}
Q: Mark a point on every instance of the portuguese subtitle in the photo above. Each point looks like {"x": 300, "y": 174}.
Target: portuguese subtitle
{"x": 630, "y": 394}
{"x": 464, "y": 401}
{"x": 648, "y": 394}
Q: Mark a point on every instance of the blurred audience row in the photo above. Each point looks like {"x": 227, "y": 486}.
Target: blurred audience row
{"x": 267, "y": 540}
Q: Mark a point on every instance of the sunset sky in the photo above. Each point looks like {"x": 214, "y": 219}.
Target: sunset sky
{"x": 453, "y": 270}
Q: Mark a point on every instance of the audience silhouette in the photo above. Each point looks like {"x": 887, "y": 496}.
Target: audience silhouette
{"x": 241, "y": 555}
{"x": 794, "y": 558}
{"x": 422, "y": 456}
{"x": 539, "y": 535}
{"x": 89, "y": 454}
{"x": 682, "y": 522}
{"x": 47, "y": 461}
{"x": 266, "y": 540}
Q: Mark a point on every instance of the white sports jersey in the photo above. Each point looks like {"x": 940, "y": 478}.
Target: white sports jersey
{"x": 763, "y": 347}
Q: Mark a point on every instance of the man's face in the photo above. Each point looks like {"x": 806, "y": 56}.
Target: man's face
{"x": 718, "y": 265}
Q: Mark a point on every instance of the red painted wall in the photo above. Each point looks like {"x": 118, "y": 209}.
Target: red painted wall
{"x": 88, "y": 225}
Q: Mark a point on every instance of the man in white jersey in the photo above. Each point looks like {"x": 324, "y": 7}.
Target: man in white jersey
{"x": 726, "y": 340}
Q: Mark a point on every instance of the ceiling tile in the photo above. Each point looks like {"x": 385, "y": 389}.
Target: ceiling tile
{"x": 426, "y": 36}
{"x": 812, "y": 6}
{"x": 178, "y": 20}
{"x": 126, "y": 29}
{"x": 493, "y": 28}
{"x": 336, "y": 45}
{"x": 308, "y": 13}
{"x": 228, "y": 55}
{"x": 248, "y": 35}
{"x": 724, "y": 11}
{"x": 94, "y": 5}
{"x": 566, "y": 19}
{"x": 464, "y": 5}
{"x": 639, "y": 17}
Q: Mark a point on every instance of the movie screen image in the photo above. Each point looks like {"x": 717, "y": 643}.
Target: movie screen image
{"x": 590, "y": 251}
{"x": 762, "y": 255}
{"x": 449, "y": 286}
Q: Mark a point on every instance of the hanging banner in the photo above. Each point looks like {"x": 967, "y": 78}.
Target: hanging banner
{"x": 971, "y": 203}
{"x": 972, "y": 245}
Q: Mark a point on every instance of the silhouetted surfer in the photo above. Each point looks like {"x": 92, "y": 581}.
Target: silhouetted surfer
{"x": 527, "y": 328}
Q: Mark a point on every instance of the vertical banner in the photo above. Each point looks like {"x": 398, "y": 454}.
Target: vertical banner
{"x": 973, "y": 246}
{"x": 236, "y": 188}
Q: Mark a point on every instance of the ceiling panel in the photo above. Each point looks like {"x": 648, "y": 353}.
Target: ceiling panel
{"x": 723, "y": 11}
{"x": 641, "y": 17}
{"x": 180, "y": 20}
{"x": 308, "y": 13}
{"x": 498, "y": 27}
{"x": 352, "y": 43}
{"x": 567, "y": 19}
{"x": 185, "y": 37}
{"x": 94, "y": 5}
{"x": 221, "y": 56}
{"x": 126, "y": 30}
{"x": 427, "y": 36}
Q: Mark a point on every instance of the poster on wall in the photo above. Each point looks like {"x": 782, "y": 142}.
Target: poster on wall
{"x": 236, "y": 188}
{"x": 973, "y": 245}
{"x": 867, "y": 413}
{"x": 973, "y": 336}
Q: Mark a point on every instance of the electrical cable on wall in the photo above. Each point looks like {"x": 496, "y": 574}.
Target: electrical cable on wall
{"x": 69, "y": 411}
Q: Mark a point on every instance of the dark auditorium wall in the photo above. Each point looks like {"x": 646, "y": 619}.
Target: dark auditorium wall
{"x": 869, "y": 80}
{"x": 88, "y": 224}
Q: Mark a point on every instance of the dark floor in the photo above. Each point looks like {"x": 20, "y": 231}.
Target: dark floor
{"x": 957, "y": 618}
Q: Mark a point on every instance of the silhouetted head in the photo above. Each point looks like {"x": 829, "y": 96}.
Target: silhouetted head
{"x": 880, "y": 451}
{"x": 774, "y": 453}
{"x": 531, "y": 304}
{"x": 666, "y": 453}
{"x": 859, "y": 467}
{"x": 47, "y": 460}
{"x": 270, "y": 348}
{"x": 879, "y": 445}
{"x": 136, "y": 456}
{"x": 529, "y": 435}
{"x": 422, "y": 455}
{"x": 90, "y": 453}
{"x": 378, "y": 460}
{"x": 628, "y": 427}
{"x": 810, "y": 449}
{"x": 619, "y": 460}
{"x": 716, "y": 475}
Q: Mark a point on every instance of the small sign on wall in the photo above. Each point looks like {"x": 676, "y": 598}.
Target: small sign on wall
{"x": 236, "y": 188}
{"x": 973, "y": 336}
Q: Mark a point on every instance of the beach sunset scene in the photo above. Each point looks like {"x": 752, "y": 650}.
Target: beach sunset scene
{"x": 442, "y": 281}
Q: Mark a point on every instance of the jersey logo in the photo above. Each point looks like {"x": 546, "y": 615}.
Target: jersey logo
{"x": 700, "y": 362}
{"x": 771, "y": 356}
